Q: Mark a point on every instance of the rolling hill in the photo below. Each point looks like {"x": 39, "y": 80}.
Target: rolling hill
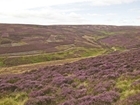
{"x": 27, "y": 44}
{"x": 69, "y": 65}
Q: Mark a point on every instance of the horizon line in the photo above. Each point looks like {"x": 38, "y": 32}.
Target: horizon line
{"x": 64, "y": 24}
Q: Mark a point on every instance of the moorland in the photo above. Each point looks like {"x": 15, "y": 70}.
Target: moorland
{"x": 69, "y": 65}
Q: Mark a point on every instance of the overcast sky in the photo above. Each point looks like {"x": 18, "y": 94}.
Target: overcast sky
{"x": 51, "y": 12}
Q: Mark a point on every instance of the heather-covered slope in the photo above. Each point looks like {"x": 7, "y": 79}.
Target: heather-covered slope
{"x": 27, "y": 44}
{"x": 105, "y": 80}
{"x": 26, "y": 38}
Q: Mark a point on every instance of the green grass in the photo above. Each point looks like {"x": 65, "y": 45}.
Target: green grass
{"x": 66, "y": 54}
{"x": 93, "y": 52}
{"x": 73, "y": 52}
{"x": 2, "y": 61}
{"x": 106, "y": 33}
{"x": 14, "y": 99}
{"x": 126, "y": 87}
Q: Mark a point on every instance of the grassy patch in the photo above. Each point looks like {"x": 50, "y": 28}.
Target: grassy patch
{"x": 5, "y": 41}
{"x": 127, "y": 88}
{"x": 34, "y": 66}
{"x": 2, "y": 61}
{"x": 14, "y": 99}
{"x": 70, "y": 53}
{"x": 93, "y": 52}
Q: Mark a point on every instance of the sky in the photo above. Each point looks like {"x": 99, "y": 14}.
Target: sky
{"x": 69, "y": 12}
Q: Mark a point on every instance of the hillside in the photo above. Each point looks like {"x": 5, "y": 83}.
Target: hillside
{"x": 27, "y": 44}
{"x": 112, "y": 79}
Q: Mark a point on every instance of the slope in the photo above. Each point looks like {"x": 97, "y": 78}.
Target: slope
{"x": 112, "y": 79}
{"x": 27, "y": 44}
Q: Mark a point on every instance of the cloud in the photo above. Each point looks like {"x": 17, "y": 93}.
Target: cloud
{"x": 135, "y": 10}
{"x": 60, "y": 11}
{"x": 48, "y": 15}
{"x": 6, "y": 5}
{"x": 99, "y": 15}
{"x": 138, "y": 18}
{"x": 110, "y": 2}
{"x": 26, "y": 4}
